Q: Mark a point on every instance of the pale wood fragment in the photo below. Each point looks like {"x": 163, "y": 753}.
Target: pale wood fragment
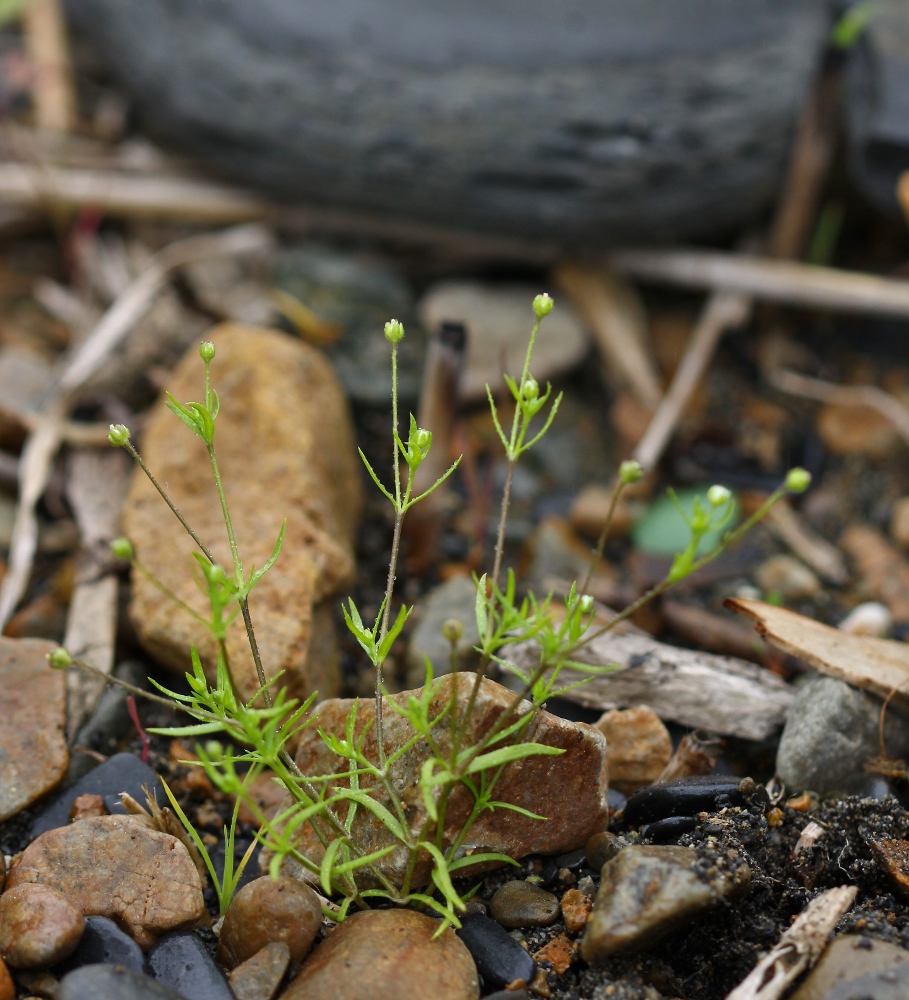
{"x": 790, "y": 527}
{"x": 48, "y": 48}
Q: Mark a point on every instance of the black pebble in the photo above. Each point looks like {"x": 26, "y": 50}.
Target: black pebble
{"x": 123, "y": 772}
{"x": 182, "y": 962}
{"x": 498, "y": 957}
{"x": 671, "y": 828}
{"x": 111, "y": 982}
{"x": 104, "y": 942}
{"x": 550, "y": 873}
{"x": 684, "y": 797}
{"x": 507, "y": 995}
{"x": 574, "y": 861}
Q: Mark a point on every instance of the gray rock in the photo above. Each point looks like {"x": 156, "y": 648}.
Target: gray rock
{"x": 523, "y": 904}
{"x": 847, "y": 958}
{"x": 112, "y": 982}
{"x": 104, "y": 942}
{"x": 259, "y": 977}
{"x": 584, "y": 121}
{"x": 648, "y": 892}
{"x": 883, "y": 984}
{"x": 181, "y": 961}
{"x": 456, "y": 598}
{"x": 831, "y": 731}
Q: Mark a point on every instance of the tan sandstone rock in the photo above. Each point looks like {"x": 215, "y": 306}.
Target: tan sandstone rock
{"x": 286, "y": 449}
{"x": 569, "y": 789}
{"x": 639, "y": 747}
{"x": 387, "y": 953}
{"x": 38, "y": 927}
{"x": 33, "y": 755}
{"x": 115, "y": 866}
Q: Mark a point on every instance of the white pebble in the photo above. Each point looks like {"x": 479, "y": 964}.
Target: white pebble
{"x": 870, "y": 618}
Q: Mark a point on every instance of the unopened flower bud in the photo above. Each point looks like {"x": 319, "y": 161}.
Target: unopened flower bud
{"x": 452, "y": 630}
{"x": 59, "y": 659}
{"x": 422, "y": 439}
{"x": 215, "y": 573}
{"x": 530, "y": 389}
{"x": 798, "y": 480}
{"x": 718, "y": 495}
{"x": 122, "y": 548}
{"x": 542, "y": 305}
{"x": 586, "y": 604}
{"x": 394, "y": 331}
{"x": 118, "y": 435}
{"x": 206, "y": 350}
{"x": 631, "y": 472}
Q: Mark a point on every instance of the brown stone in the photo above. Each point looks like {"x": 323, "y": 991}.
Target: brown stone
{"x": 560, "y": 952}
{"x": 894, "y": 856}
{"x": 569, "y": 789}
{"x": 387, "y": 953}
{"x": 267, "y": 910}
{"x": 576, "y": 907}
{"x": 638, "y": 747}
{"x": 523, "y": 904}
{"x": 286, "y": 449}
{"x": 115, "y": 866}
{"x": 259, "y": 977}
{"x": 38, "y": 927}
{"x": 884, "y": 571}
{"x": 847, "y": 958}
{"x": 785, "y": 575}
{"x": 899, "y": 522}
{"x": 33, "y": 755}
{"x": 86, "y": 807}
{"x": 856, "y": 430}
{"x": 7, "y": 986}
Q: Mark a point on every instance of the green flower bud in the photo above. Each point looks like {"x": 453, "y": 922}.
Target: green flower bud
{"x": 422, "y": 439}
{"x": 452, "y": 630}
{"x": 631, "y": 472}
{"x": 798, "y": 480}
{"x": 122, "y": 548}
{"x": 586, "y": 604}
{"x": 542, "y": 305}
{"x": 59, "y": 659}
{"x": 118, "y": 435}
{"x": 206, "y": 350}
{"x": 215, "y": 573}
{"x": 394, "y": 331}
{"x": 718, "y": 495}
{"x": 530, "y": 389}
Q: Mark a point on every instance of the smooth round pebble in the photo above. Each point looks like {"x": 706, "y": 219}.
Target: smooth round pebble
{"x": 523, "y": 904}
{"x": 602, "y": 847}
{"x": 267, "y": 910}
{"x": 38, "y": 926}
{"x": 500, "y": 960}
{"x": 104, "y": 942}
{"x": 181, "y": 962}
{"x": 870, "y": 618}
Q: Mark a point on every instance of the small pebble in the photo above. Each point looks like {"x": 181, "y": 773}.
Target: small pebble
{"x": 38, "y": 926}
{"x": 87, "y": 806}
{"x": 523, "y": 904}
{"x": 104, "y": 942}
{"x": 259, "y": 977}
{"x": 181, "y": 962}
{"x": 683, "y": 797}
{"x": 786, "y": 576}
{"x": 267, "y": 910}
{"x": 602, "y": 847}
{"x": 112, "y": 982}
{"x": 576, "y": 907}
{"x": 499, "y": 959}
{"x": 587, "y": 886}
{"x": 870, "y": 618}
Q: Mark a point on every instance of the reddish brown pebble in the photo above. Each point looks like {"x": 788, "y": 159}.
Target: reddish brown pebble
{"x": 259, "y": 977}
{"x": 87, "y": 806}
{"x": 638, "y": 747}
{"x": 800, "y": 803}
{"x": 559, "y": 953}
{"x": 774, "y": 817}
{"x": 267, "y": 910}
{"x": 387, "y": 953}
{"x": 38, "y": 927}
{"x": 576, "y": 907}
{"x": 7, "y": 987}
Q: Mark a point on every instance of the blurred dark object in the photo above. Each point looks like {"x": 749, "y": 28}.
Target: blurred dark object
{"x": 877, "y": 103}
{"x": 582, "y": 121}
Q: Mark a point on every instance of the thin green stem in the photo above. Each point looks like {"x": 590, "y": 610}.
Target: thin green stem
{"x": 604, "y": 534}
{"x": 168, "y": 593}
{"x": 228, "y": 524}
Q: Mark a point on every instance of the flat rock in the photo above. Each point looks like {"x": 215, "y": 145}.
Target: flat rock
{"x": 33, "y": 755}
{"x": 523, "y": 904}
{"x": 498, "y": 321}
{"x": 386, "y": 953}
{"x": 882, "y": 984}
{"x": 638, "y": 747}
{"x": 112, "y": 982}
{"x": 115, "y": 866}
{"x": 181, "y": 961}
{"x": 646, "y": 893}
{"x": 269, "y": 910}
{"x": 543, "y": 785}
{"x": 38, "y": 927}
{"x": 499, "y": 959}
{"x": 286, "y": 450}
{"x": 832, "y": 731}
{"x": 259, "y": 977}
{"x": 847, "y": 958}
{"x": 124, "y": 772}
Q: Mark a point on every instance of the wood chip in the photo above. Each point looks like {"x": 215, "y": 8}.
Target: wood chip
{"x": 884, "y": 571}
{"x": 876, "y": 665}
{"x": 790, "y": 527}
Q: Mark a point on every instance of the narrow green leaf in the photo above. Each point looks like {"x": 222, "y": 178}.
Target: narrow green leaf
{"x": 440, "y": 876}
{"x": 375, "y": 478}
{"x": 367, "y": 859}
{"x": 394, "y": 632}
{"x": 481, "y": 859}
{"x": 376, "y": 808}
{"x": 514, "y": 808}
{"x": 203, "y": 729}
{"x": 482, "y": 615}
{"x": 327, "y": 861}
{"x": 515, "y": 752}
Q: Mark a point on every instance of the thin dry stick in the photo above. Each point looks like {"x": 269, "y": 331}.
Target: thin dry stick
{"x": 845, "y": 395}
{"x": 48, "y": 49}
{"x": 798, "y": 949}
{"x": 722, "y": 311}
{"x": 45, "y": 438}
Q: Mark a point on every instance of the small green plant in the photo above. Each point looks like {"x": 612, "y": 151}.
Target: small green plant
{"x": 254, "y": 735}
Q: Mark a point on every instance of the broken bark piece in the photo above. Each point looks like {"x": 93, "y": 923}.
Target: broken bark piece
{"x": 790, "y": 527}
{"x": 876, "y": 665}
{"x": 713, "y": 632}
{"x": 717, "y": 693}
{"x": 882, "y": 568}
